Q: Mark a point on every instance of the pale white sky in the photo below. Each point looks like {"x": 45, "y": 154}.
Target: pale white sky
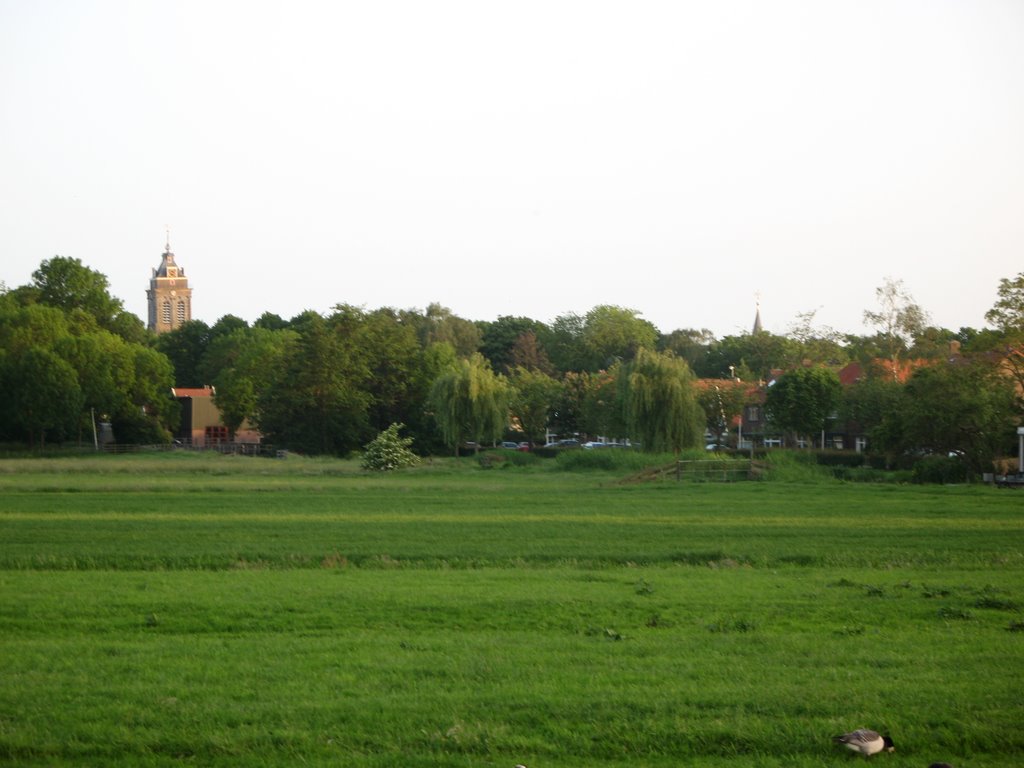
{"x": 526, "y": 158}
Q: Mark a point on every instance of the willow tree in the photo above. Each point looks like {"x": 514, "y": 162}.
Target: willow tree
{"x": 660, "y": 402}
{"x": 470, "y": 402}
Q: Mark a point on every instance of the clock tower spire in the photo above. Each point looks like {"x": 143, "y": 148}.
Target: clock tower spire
{"x": 169, "y": 295}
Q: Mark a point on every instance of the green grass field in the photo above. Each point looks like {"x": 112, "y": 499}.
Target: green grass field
{"x": 215, "y": 610}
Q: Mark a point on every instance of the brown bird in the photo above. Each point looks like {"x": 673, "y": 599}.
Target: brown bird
{"x": 865, "y": 741}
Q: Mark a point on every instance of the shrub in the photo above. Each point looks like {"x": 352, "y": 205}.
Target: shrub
{"x": 613, "y": 459}
{"x": 940, "y": 469}
{"x": 545, "y": 452}
{"x": 520, "y": 458}
{"x": 839, "y": 459}
{"x": 795, "y": 466}
{"x": 502, "y": 458}
{"x": 389, "y": 451}
{"x": 490, "y": 459}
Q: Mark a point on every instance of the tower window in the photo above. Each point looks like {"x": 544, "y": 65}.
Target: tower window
{"x": 166, "y": 313}
{"x": 181, "y": 311}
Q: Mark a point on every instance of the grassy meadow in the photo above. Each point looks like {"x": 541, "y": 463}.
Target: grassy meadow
{"x": 201, "y": 609}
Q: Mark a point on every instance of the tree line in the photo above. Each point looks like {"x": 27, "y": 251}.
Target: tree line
{"x": 328, "y": 383}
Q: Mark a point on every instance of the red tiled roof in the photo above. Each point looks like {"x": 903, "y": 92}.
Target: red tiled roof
{"x": 192, "y": 392}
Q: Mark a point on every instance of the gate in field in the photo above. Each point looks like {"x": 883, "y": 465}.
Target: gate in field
{"x": 702, "y": 471}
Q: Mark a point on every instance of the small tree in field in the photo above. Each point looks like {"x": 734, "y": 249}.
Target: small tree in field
{"x": 389, "y": 451}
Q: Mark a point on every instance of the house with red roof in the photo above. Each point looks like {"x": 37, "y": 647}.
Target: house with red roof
{"x": 201, "y": 423}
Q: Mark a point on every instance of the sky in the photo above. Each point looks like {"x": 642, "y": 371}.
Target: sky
{"x": 682, "y": 159}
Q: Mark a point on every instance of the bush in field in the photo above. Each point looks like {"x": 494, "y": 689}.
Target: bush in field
{"x": 389, "y": 451}
{"x": 503, "y": 458}
{"x": 839, "y": 459}
{"x": 940, "y": 469}
{"x": 795, "y": 467}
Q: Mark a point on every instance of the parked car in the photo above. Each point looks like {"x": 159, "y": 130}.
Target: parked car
{"x": 524, "y": 446}
{"x": 510, "y": 445}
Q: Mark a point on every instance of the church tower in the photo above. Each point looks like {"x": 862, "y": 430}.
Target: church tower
{"x": 170, "y": 298}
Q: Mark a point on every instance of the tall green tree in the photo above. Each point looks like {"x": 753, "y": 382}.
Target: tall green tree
{"x": 42, "y": 396}
{"x": 1007, "y": 314}
{"x": 185, "y": 346}
{"x": 226, "y": 325}
{"x": 750, "y": 356}
{"x": 105, "y": 368}
{"x": 68, "y": 284}
{"x": 563, "y": 341}
{"x": 612, "y": 333}
{"x": 689, "y": 344}
{"x": 23, "y": 327}
{"x": 271, "y": 322}
{"x": 498, "y": 340}
{"x": 527, "y": 352}
{"x": 803, "y": 400}
{"x": 440, "y": 324}
{"x": 317, "y": 400}
{"x": 872, "y": 406}
{"x": 601, "y": 412}
{"x": 120, "y": 380}
{"x": 567, "y": 417}
{"x": 965, "y": 408}
{"x": 722, "y": 401}
{"x": 470, "y": 402}
{"x": 155, "y": 413}
{"x": 248, "y": 356}
{"x": 398, "y": 381}
{"x": 933, "y": 343}
{"x": 534, "y": 395}
{"x": 660, "y": 402}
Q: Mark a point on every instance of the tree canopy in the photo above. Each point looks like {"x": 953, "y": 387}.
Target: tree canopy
{"x": 660, "y": 402}
{"x": 898, "y": 319}
{"x": 1007, "y": 314}
{"x": 470, "y": 402}
{"x": 328, "y": 383}
{"x": 802, "y": 400}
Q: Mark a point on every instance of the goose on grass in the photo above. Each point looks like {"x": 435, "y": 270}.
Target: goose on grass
{"x": 865, "y": 742}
